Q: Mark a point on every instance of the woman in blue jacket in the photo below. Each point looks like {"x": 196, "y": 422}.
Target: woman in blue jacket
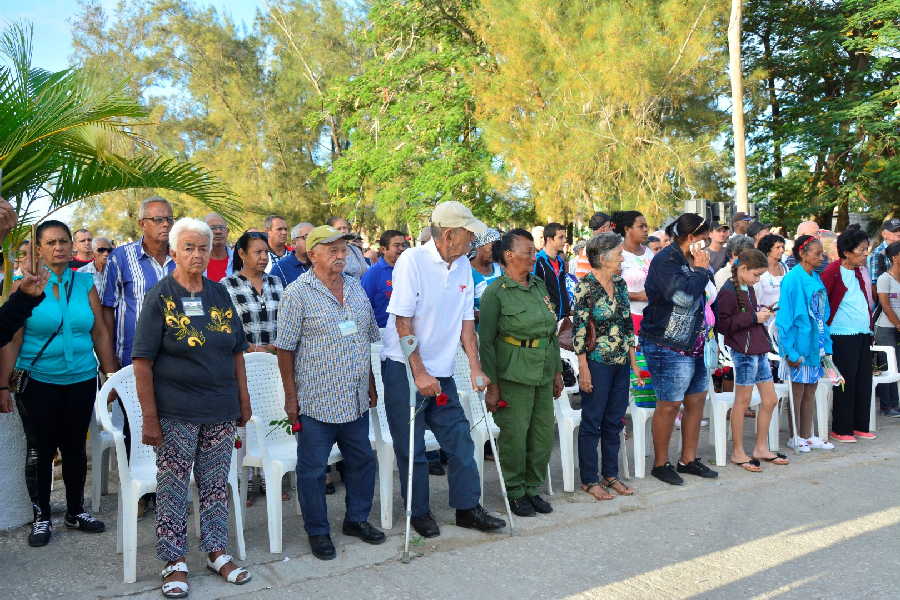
{"x": 803, "y": 336}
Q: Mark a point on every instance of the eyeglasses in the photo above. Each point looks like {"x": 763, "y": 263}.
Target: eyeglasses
{"x": 104, "y": 250}
{"x": 159, "y": 220}
{"x": 219, "y": 227}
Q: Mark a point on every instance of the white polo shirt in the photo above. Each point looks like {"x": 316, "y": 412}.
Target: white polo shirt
{"x": 439, "y": 297}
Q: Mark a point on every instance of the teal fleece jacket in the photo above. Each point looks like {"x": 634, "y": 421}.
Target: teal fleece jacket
{"x": 797, "y": 331}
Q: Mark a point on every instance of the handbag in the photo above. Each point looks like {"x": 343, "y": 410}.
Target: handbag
{"x": 566, "y": 334}
{"x": 18, "y": 379}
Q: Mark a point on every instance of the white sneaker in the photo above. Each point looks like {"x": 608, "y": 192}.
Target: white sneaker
{"x": 798, "y": 443}
{"x": 819, "y": 444}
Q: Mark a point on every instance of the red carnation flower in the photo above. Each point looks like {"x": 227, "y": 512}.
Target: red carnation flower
{"x": 502, "y": 404}
{"x": 238, "y": 443}
{"x": 441, "y": 399}
{"x": 297, "y": 427}
{"x": 645, "y": 374}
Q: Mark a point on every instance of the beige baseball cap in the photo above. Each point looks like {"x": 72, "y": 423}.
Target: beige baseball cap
{"x": 324, "y": 234}
{"x": 456, "y": 214}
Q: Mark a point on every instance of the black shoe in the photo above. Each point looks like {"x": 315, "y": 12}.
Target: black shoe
{"x": 478, "y": 518}
{"x": 522, "y": 507}
{"x": 40, "y": 533}
{"x": 85, "y": 522}
{"x": 425, "y": 526}
{"x": 436, "y": 468}
{"x": 364, "y": 531}
{"x": 321, "y": 547}
{"x": 540, "y": 505}
{"x": 329, "y": 489}
{"x": 695, "y": 467}
{"x": 667, "y": 474}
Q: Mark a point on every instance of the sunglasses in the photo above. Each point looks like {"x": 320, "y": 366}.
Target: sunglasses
{"x": 104, "y": 250}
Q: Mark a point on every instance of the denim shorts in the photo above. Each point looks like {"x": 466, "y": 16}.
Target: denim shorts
{"x": 674, "y": 375}
{"x": 750, "y": 369}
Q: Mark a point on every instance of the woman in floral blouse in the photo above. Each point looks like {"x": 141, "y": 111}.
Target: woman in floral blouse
{"x": 604, "y": 342}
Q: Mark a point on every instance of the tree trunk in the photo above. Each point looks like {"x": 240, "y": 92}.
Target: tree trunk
{"x": 15, "y": 505}
{"x": 737, "y": 106}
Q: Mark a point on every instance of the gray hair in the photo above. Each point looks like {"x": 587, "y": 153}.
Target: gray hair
{"x": 737, "y": 244}
{"x": 599, "y": 247}
{"x": 214, "y": 216}
{"x": 295, "y": 230}
{"x": 424, "y": 235}
{"x": 186, "y": 224}
{"x": 152, "y": 200}
{"x": 96, "y": 243}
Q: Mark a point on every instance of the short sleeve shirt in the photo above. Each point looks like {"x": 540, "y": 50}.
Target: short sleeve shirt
{"x": 378, "y": 283}
{"x": 193, "y": 354}
{"x": 890, "y": 286}
{"x": 258, "y": 312}
{"x": 438, "y": 297}
{"x": 331, "y": 343}
{"x": 634, "y": 271}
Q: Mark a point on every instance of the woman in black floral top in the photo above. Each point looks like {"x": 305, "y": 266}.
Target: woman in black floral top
{"x": 601, "y": 304}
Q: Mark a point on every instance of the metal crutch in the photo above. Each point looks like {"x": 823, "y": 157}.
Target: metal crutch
{"x": 480, "y": 383}
{"x": 409, "y": 345}
{"x": 792, "y": 411}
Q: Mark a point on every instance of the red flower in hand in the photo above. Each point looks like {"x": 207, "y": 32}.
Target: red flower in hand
{"x": 441, "y": 399}
{"x": 727, "y": 369}
{"x": 645, "y": 374}
{"x": 717, "y": 372}
{"x": 502, "y": 404}
{"x": 297, "y": 427}
{"x": 238, "y": 443}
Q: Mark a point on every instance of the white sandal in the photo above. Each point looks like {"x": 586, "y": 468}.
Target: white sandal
{"x": 223, "y": 560}
{"x": 174, "y": 589}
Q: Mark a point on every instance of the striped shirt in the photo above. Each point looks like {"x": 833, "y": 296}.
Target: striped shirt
{"x": 130, "y": 273}
{"x": 331, "y": 369}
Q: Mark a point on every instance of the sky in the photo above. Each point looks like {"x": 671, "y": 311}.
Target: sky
{"x": 52, "y": 23}
{"x": 52, "y": 40}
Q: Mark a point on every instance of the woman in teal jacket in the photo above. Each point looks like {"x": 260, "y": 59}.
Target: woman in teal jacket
{"x": 803, "y": 337}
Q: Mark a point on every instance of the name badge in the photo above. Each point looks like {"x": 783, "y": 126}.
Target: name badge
{"x": 347, "y": 328}
{"x": 193, "y": 307}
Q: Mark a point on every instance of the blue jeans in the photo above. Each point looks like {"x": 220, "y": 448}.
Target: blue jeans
{"x": 602, "y": 412}
{"x": 313, "y": 448}
{"x": 750, "y": 369}
{"x": 674, "y": 375}
{"x": 450, "y": 427}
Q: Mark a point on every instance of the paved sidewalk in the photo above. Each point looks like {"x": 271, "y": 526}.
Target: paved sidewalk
{"x": 827, "y": 526}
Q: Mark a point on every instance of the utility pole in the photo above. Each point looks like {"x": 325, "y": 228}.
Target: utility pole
{"x": 737, "y": 107}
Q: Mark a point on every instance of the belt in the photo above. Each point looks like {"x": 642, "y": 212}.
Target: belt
{"x": 535, "y": 343}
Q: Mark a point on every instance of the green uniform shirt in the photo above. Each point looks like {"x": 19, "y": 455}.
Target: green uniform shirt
{"x": 524, "y": 313}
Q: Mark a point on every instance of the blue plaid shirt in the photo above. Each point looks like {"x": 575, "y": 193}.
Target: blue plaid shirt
{"x": 877, "y": 263}
{"x": 130, "y": 273}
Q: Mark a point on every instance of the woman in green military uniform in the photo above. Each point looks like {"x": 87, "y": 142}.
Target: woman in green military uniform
{"x": 520, "y": 355}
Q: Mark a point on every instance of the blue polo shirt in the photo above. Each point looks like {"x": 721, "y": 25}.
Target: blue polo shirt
{"x": 377, "y": 281}
{"x": 288, "y": 268}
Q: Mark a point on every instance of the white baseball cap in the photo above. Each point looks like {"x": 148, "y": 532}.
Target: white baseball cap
{"x": 456, "y": 214}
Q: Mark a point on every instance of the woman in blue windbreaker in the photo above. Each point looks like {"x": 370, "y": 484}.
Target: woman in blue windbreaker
{"x": 803, "y": 336}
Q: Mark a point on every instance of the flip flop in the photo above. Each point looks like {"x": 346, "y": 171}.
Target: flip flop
{"x": 778, "y": 459}
{"x": 587, "y": 490}
{"x": 751, "y": 466}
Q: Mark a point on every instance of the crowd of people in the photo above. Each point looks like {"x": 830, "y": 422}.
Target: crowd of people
{"x": 183, "y": 307}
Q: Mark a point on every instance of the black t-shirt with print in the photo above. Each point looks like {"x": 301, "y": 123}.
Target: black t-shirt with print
{"x": 193, "y": 366}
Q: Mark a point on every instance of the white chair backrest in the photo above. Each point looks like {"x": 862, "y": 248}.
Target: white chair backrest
{"x": 266, "y": 397}
{"x": 378, "y": 425}
{"x": 122, "y": 382}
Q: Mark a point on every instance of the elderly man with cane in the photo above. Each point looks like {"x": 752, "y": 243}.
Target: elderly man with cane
{"x": 430, "y": 313}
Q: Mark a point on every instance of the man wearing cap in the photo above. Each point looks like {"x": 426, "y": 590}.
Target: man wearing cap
{"x": 740, "y": 223}
{"x": 430, "y": 312}
{"x": 325, "y": 331}
{"x": 599, "y": 223}
{"x": 758, "y": 231}
{"x": 718, "y": 256}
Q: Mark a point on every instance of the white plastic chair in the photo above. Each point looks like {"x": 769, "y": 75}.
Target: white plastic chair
{"x": 137, "y": 475}
{"x": 891, "y": 375}
{"x": 640, "y": 417}
{"x": 268, "y": 448}
{"x": 101, "y": 456}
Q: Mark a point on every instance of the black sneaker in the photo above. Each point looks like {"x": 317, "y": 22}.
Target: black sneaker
{"x": 521, "y": 507}
{"x": 85, "y": 522}
{"x": 667, "y": 474}
{"x": 40, "y": 533}
{"x": 540, "y": 505}
{"x": 478, "y": 518}
{"x": 695, "y": 467}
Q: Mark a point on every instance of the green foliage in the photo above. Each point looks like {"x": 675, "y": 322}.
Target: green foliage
{"x": 64, "y": 138}
{"x": 824, "y": 127}
{"x": 410, "y": 114}
{"x": 602, "y": 104}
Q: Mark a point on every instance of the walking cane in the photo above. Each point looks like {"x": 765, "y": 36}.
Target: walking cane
{"x": 480, "y": 383}
{"x": 791, "y": 410}
{"x": 409, "y": 345}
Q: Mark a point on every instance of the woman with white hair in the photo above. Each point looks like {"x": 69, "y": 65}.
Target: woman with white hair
{"x": 189, "y": 371}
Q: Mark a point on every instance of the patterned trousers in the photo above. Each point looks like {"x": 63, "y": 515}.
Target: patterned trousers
{"x": 206, "y": 448}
